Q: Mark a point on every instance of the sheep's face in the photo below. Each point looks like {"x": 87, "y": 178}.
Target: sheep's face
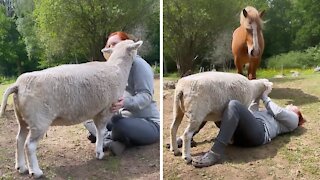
{"x": 127, "y": 47}
{"x": 111, "y": 43}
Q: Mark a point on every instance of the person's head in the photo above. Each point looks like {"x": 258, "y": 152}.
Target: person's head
{"x": 113, "y": 39}
{"x": 296, "y": 110}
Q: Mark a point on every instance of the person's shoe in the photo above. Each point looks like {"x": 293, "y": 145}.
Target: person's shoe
{"x": 116, "y": 147}
{"x": 208, "y": 159}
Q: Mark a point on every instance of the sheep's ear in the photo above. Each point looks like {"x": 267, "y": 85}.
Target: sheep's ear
{"x": 268, "y": 84}
{"x": 135, "y": 45}
{"x": 106, "y": 50}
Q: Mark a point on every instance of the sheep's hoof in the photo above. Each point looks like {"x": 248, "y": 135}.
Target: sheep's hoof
{"x": 177, "y": 153}
{"x": 99, "y": 155}
{"x": 188, "y": 160}
{"x": 22, "y": 169}
{"x": 37, "y": 174}
{"x": 168, "y": 146}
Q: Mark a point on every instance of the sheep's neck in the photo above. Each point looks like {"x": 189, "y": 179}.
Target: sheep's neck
{"x": 125, "y": 65}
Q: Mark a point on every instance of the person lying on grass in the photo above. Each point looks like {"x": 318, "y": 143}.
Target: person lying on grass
{"x": 250, "y": 127}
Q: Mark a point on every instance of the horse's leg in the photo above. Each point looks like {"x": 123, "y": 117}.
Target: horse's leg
{"x": 239, "y": 65}
{"x": 254, "y": 63}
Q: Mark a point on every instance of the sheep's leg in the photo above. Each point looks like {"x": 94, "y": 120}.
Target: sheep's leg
{"x": 177, "y": 118}
{"x": 20, "y": 140}
{"x": 36, "y": 133}
{"x": 187, "y": 136}
{"x": 101, "y": 124}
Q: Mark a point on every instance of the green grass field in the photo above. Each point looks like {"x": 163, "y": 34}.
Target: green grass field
{"x": 261, "y": 73}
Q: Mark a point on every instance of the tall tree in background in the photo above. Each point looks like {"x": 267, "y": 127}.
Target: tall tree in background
{"x": 153, "y": 35}
{"x": 74, "y": 31}
{"x": 191, "y": 26}
{"x": 26, "y": 26}
{"x": 278, "y": 31}
{"x": 306, "y": 23}
{"x": 13, "y": 55}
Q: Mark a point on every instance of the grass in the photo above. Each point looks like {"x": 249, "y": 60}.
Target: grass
{"x": 2, "y": 90}
{"x": 261, "y": 73}
{"x": 7, "y": 80}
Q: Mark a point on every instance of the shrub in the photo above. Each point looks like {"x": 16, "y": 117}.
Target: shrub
{"x": 296, "y": 59}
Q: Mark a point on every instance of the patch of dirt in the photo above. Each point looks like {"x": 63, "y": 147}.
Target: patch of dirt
{"x": 65, "y": 153}
{"x": 290, "y": 156}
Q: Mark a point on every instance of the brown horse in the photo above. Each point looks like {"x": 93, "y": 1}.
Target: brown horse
{"x": 248, "y": 42}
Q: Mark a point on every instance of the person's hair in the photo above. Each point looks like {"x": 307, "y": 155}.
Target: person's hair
{"x": 123, "y": 36}
{"x": 301, "y": 119}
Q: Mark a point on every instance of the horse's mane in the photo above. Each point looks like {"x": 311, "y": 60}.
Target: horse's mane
{"x": 253, "y": 14}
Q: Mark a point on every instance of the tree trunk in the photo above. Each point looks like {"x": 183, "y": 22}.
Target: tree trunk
{"x": 184, "y": 64}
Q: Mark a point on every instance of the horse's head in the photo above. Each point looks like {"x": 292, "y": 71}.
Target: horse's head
{"x": 250, "y": 19}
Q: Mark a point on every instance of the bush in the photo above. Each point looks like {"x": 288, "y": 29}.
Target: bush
{"x": 296, "y": 59}
{"x": 7, "y": 80}
{"x": 156, "y": 69}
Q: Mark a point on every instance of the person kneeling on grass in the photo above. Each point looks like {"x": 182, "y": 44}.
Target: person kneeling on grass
{"x": 250, "y": 127}
{"x": 137, "y": 119}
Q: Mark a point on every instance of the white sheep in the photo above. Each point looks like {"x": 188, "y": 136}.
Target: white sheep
{"x": 67, "y": 95}
{"x": 203, "y": 97}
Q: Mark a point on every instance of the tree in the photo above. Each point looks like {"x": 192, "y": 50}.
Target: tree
{"x": 26, "y": 26}
{"x": 191, "y": 26}
{"x": 73, "y": 31}
{"x": 278, "y": 31}
{"x": 305, "y": 22}
{"x": 13, "y": 57}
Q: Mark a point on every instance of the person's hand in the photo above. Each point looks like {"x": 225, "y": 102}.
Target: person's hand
{"x": 118, "y": 105}
{"x": 268, "y": 89}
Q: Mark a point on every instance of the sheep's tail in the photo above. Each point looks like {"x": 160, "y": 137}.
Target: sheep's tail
{"x": 178, "y": 112}
{"x": 10, "y": 90}
{"x": 178, "y": 100}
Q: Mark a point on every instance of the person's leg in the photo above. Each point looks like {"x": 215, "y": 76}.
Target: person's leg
{"x": 137, "y": 131}
{"x": 239, "y": 123}
{"x": 130, "y": 131}
{"x": 236, "y": 118}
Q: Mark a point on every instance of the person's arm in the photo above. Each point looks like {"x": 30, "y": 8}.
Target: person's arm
{"x": 286, "y": 117}
{"x": 143, "y": 88}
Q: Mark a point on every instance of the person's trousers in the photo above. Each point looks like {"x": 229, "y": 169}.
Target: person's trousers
{"x": 239, "y": 123}
{"x": 134, "y": 131}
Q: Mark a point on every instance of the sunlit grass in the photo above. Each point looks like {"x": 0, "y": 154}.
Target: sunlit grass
{"x": 2, "y": 90}
{"x": 261, "y": 73}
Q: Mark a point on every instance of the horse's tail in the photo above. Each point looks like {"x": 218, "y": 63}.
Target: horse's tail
{"x": 10, "y": 90}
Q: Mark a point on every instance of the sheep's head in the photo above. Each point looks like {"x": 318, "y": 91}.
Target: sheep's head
{"x": 259, "y": 86}
{"x": 123, "y": 48}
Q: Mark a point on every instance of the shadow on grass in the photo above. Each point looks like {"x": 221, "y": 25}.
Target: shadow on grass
{"x": 238, "y": 155}
{"x": 137, "y": 162}
{"x": 287, "y": 79}
{"x": 295, "y": 96}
